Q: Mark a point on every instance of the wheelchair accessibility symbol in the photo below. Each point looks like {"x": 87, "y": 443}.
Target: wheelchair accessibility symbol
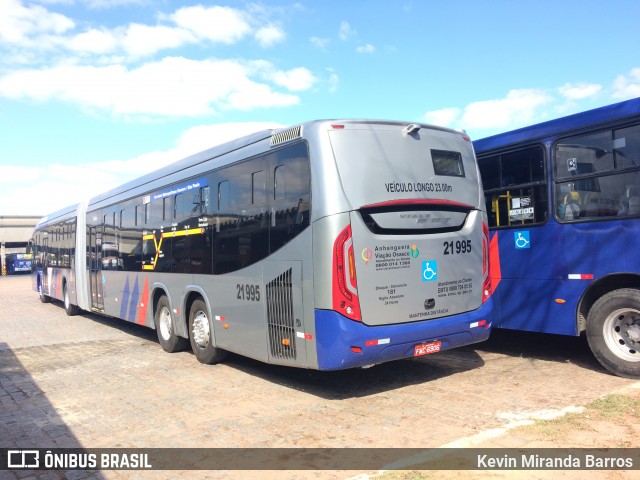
{"x": 521, "y": 239}
{"x": 429, "y": 270}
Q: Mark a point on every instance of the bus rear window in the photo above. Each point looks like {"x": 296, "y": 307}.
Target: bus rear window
{"x": 447, "y": 163}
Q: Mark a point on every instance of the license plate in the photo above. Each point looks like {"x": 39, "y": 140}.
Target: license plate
{"x": 427, "y": 348}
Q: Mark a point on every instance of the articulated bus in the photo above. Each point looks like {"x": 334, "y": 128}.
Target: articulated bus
{"x": 563, "y": 199}
{"x": 328, "y": 245}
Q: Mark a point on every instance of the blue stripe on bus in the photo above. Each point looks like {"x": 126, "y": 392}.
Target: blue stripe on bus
{"x": 336, "y": 334}
{"x": 135, "y": 296}
{"x": 125, "y": 299}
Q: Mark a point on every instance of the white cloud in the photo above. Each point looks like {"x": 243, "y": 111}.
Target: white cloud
{"x": 69, "y": 182}
{"x": 107, "y": 69}
{"x": 346, "y": 31}
{"x": 9, "y": 173}
{"x": 104, "y": 4}
{"x": 296, "y": 79}
{"x": 40, "y": 30}
{"x": 142, "y": 40}
{"x": 251, "y": 95}
{"x": 202, "y": 137}
{"x": 522, "y": 107}
{"x": 445, "y": 117}
{"x": 269, "y": 36}
{"x": 367, "y": 48}
{"x": 319, "y": 42}
{"x": 173, "y": 86}
{"x": 18, "y": 22}
{"x": 216, "y": 24}
{"x": 334, "y": 81}
{"x": 93, "y": 41}
{"x": 519, "y": 107}
{"x": 579, "y": 91}
{"x": 627, "y": 86}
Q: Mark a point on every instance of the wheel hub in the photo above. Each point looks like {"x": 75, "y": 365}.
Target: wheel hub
{"x": 201, "y": 332}
{"x": 633, "y": 333}
{"x": 621, "y": 332}
{"x": 165, "y": 323}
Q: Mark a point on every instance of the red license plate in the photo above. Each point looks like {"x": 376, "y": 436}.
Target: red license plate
{"x": 427, "y": 348}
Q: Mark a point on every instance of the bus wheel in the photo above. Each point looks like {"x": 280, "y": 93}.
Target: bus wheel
{"x": 169, "y": 341}
{"x": 613, "y": 332}
{"x": 201, "y": 335}
{"x": 69, "y": 309}
{"x": 43, "y": 298}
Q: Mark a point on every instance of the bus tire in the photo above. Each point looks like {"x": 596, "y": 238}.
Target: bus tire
{"x": 165, "y": 328}
{"x": 69, "y": 309}
{"x": 43, "y": 298}
{"x": 201, "y": 335}
{"x": 613, "y": 332}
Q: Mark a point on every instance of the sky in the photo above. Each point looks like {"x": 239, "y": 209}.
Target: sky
{"x": 94, "y": 93}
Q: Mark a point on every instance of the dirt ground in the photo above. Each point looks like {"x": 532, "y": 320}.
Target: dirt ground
{"x": 609, "y": 422}
{"x": 95, "y": 382}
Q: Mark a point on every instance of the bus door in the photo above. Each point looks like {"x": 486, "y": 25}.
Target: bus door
{"x": 44, "y": 264}
{"x": 95, "y": 267}
{"x": 524, "y": 262}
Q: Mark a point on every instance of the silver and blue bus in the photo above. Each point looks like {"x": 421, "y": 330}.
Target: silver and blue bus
{"x": 328, "y": 245}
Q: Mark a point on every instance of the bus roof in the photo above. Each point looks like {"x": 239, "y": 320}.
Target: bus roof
{"x": 228, "y": 147}
{"x": 58, "y": 215}
{"x": 574, "y": 122}
{"x": 184, "y": 163}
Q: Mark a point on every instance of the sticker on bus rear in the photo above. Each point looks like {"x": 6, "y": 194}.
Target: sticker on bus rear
{"x": 429, "y": 270}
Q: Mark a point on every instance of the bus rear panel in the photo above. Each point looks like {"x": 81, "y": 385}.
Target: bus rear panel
{"x": 408, "y": 252}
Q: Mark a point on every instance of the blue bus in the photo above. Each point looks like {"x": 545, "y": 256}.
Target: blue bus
{"x": 18, "y": 263}
{"x": 563, "y": 200}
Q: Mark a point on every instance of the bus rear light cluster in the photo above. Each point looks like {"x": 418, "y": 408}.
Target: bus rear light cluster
{"x": 486, "y": 277}
{"x": 345, "y": 282}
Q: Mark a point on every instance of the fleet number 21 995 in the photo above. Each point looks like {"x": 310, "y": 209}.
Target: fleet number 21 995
{"x": 248, "y": 292}
{"x": 457, "y": 247}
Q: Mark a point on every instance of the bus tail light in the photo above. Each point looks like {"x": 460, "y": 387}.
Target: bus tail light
{"x": 345, "y": 283}
{"x": 486, "y": 277}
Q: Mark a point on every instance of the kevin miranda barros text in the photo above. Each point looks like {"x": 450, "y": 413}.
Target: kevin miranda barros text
{"x": 538, "y": 462}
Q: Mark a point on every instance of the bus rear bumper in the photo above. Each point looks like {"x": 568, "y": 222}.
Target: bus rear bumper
{"x": 343, "y": 343}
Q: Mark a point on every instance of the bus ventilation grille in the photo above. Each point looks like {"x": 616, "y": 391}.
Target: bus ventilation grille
{"x": 282, "y": 335}
{"x": 286, "y": 135}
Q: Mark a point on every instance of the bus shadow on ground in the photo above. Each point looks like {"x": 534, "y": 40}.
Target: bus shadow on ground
{"x": 28, "y": 420}
{"x": 363, "y": 382}
{"x": 542, "y": 346}
{"x": 124, "y": 326}
{"x": 339, "y": 384}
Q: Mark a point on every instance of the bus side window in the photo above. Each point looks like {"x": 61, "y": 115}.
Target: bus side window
{"x": 223, "y": 196}
{"x": 515, "y": 187}
{"x": 291, "y": 194}
{"x": 259, "y": 188}
{"x": 204, "y": 200}
{"x": 597, "y": 175}
{"x": 279, "y": 184}
{"x": 187, "y": 205}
